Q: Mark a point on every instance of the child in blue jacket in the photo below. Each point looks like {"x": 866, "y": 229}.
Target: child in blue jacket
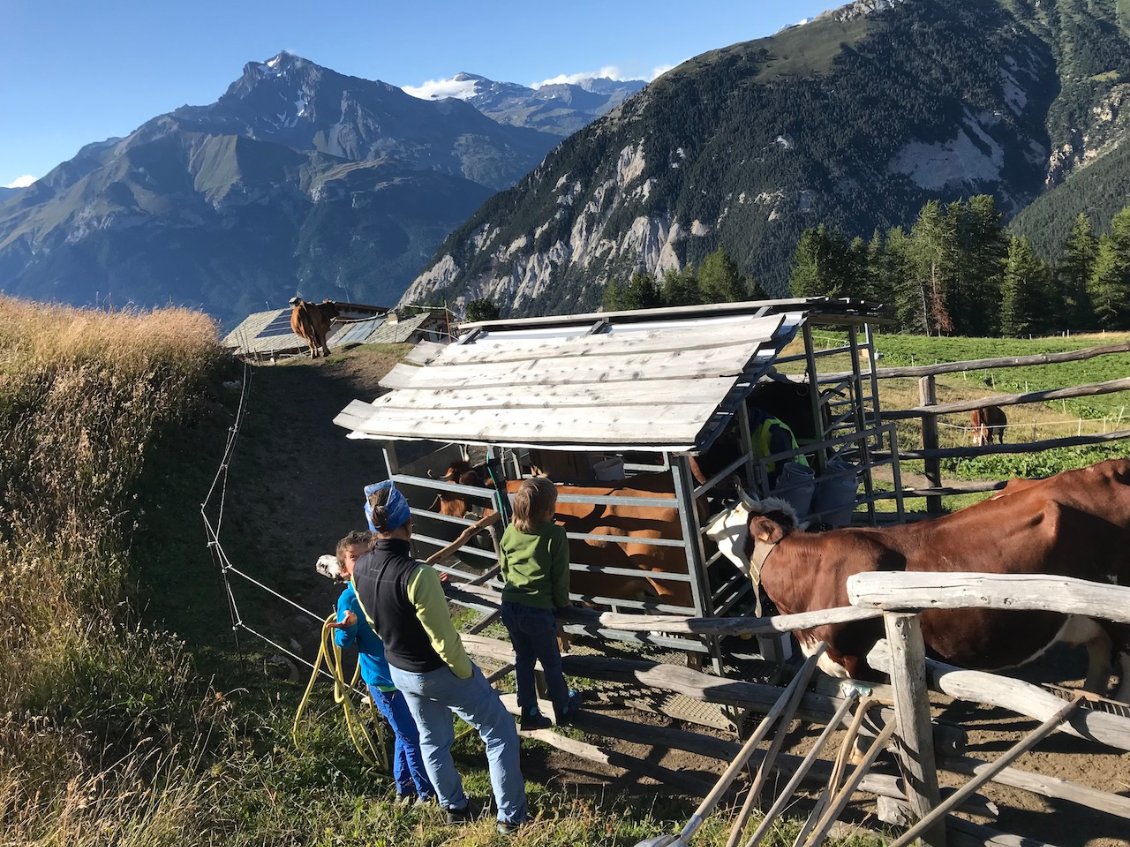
{"x": 408, "y": 763}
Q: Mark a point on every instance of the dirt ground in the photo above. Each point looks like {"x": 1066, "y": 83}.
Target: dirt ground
{"x": 296, "y": 487}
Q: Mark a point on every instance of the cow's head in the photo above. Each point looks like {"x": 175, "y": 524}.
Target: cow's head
{"x": 329, "y": 309}
{"x": 737, "y": 529}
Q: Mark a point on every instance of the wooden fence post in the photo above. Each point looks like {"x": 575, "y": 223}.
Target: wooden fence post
{"x": 912, "y": 716}
{"x": 928, "y": 396}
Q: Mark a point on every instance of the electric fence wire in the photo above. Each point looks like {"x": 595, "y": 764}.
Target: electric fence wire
{"x": 212, "y": 511}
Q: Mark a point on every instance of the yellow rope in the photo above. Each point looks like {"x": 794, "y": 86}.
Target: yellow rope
{"x": 329, "y": 653}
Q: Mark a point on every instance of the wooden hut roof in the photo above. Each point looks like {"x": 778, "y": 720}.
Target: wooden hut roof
{"x": 659, "y": 380}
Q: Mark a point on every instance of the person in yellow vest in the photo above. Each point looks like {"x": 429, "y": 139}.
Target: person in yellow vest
{"x": 770, "y": 435}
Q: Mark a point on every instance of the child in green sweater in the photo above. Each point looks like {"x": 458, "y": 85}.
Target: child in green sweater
{"x": 534, "y": 560}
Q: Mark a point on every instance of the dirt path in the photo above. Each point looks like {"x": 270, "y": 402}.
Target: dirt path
{"x": 296, "y": 487}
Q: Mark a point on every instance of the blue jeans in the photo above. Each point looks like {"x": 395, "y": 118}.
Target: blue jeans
{"x": 533, "y": 632}
{"x": 407, "y": 761}
{"x": 432, "y": 697}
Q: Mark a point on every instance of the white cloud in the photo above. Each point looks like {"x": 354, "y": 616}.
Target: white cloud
{"x": 437, "y": 89}
{"x": 658, "y": 71}
{"x": 607, "y": 72}
{"x": 22, "y": 181}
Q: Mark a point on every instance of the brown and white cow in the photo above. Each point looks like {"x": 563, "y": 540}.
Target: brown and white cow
{"x": 1074, "y": 524}
{"x": 311, "y": 321}
{"x": 987, "y": 422}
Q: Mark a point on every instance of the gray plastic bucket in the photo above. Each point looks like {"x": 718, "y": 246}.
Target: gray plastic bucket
{"x": 795, "y": 486}
{"x": 834, "y": 500}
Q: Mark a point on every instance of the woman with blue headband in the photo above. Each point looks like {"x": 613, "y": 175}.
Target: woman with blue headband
{"x": 404, "y": 600}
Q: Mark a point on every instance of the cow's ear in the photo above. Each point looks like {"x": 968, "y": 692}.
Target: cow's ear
{"x": 765, "y": 529}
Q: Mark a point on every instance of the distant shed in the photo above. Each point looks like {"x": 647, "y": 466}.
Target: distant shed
{"x": 269, "y": 334}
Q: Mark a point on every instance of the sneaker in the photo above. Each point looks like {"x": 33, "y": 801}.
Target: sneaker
{"x": 507, "y": 828}
{"x": 572, "y": 706}
{"x": 534, "y": 720}
{"x": 462, "y": 815}
{"x": 403, "y": 799}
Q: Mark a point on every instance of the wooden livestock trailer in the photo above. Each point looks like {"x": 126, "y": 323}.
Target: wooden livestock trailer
{"x": 607, "y": 398}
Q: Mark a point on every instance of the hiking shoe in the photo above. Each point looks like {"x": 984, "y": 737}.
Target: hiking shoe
{"x": 462, "y": 815}
{"x": 534, "y": 720}
{"x": 403, "y": 799}
{"x": 571, "y": 708}
{"x": 507, "y": 828}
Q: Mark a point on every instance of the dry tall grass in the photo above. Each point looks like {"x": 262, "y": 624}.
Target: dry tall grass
{"x": 83, "y": 397}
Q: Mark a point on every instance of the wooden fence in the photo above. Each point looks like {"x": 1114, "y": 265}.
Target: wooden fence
{"x": 924, "y": 745}
{"x": 929, "y": 410}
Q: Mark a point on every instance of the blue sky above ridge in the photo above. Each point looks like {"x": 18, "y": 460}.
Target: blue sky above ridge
{"x": 76, "y": 72}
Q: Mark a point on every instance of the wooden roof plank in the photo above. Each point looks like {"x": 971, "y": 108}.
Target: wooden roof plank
{"x": 496, "y": 348}
{"x": 729, "y": 360}
{"x": 676, "y": 424}
{"x": 648, "y": 393}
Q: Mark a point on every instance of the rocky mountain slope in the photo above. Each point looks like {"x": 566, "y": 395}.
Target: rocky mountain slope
{"x": 854, "y": 119}
{"x": 298, "y": 179}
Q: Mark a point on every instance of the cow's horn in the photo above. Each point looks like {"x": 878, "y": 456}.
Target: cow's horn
{"x": 747, "y": 498}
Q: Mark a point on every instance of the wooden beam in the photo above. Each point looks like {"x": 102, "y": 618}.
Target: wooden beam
{"x": 1016, "y": 448}
{"x": 1016, "y": 696}
{"x": 905, "y": 590}
{"x": 912, "y": 716}
{"x": 618, "y": 762}
{"x": 1090, "y": 390}
{"x": 938, "y": 813}
{"x": 734, "y": 625}
{"x": 1002, "y": 362}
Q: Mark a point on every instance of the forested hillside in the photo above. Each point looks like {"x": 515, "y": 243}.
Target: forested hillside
{"x": 854, "y": 120}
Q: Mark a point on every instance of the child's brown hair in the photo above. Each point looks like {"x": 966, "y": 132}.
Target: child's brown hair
{"x": 357, "y": 536}
{"x": 534, "y": 502}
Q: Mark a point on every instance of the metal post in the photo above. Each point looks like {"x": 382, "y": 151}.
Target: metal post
{"x": 747, "y": 445}
{"x": 860, "y": 420}
{"x": 814, "y": 397}
{"x": 870, "y": 336}
{"x": 692, "y": 544}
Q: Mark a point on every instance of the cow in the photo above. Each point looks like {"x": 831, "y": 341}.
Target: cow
{"x": 1075, "y": 524}
{"x": 987, "y": 422}
{"x": 637, "y": 522}
{"x": 453, "y": 504}
{"x": 311, "y": 321}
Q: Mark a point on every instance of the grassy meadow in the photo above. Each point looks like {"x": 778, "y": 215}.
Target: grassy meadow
{"x": 130, "y": 717}
{"x": 1028, "y": 422}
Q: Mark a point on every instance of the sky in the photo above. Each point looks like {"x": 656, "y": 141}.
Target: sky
{"x": 73, "y": 72}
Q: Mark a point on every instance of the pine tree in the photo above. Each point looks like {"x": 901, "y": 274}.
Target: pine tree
{"x": 1023, "y": 291}
{"x": 719, "y": 280}
{"x": 482, "y": 310}
{"x": 1074, "y": 272}
{"x": 680, "y": 288}
{"x": 934, "y": 252}
{"x": 985, "y": 250}
{"x": 1110, "y": 279}
{"x": 818, "y": 264}
{"x": 641, "y": 292}
{"x": 612, "y": 298}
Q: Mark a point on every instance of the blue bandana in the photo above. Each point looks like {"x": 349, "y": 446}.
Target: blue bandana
{"x": 396, "y": 507}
